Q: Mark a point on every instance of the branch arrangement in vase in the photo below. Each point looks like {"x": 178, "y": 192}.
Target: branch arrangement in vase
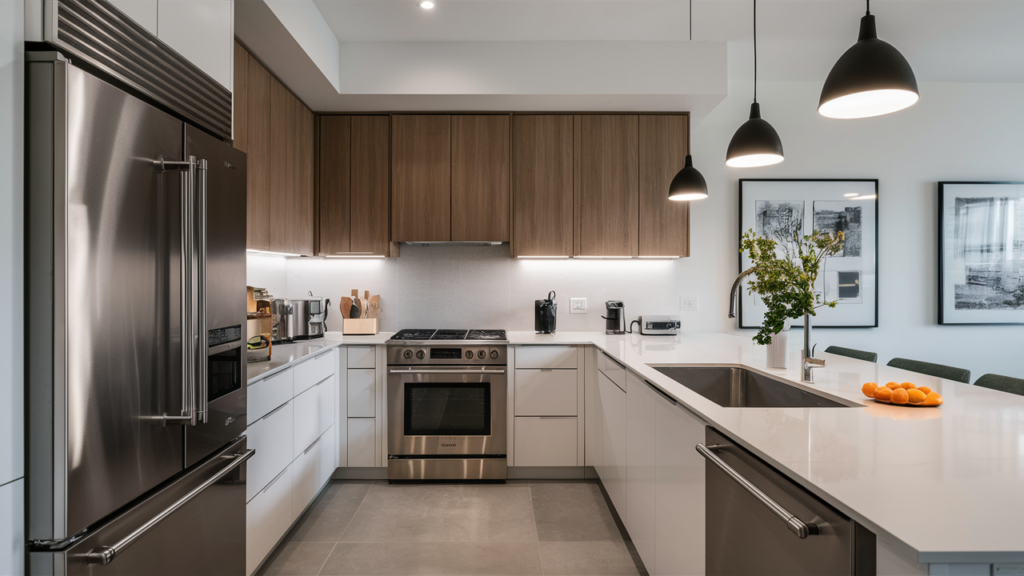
{"x": 785, "y": 278}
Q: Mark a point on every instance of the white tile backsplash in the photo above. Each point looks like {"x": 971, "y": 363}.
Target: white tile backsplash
{"x": 456, "y": 286}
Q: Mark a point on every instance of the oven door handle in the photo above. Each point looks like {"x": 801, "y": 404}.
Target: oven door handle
{"x": 450, "y": 371}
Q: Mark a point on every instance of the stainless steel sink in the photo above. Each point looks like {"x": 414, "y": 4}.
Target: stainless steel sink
{"x": 733, "y": 387}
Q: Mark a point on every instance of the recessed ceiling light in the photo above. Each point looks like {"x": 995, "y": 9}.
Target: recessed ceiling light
{"x": 426, "y": 4}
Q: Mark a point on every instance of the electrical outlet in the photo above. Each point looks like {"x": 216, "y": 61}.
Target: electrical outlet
{"x": 689, "y": 303}
{"x": 577, "y": 306}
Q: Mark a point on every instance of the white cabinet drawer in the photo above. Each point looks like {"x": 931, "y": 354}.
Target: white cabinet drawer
{"x": 307, "y": 416}
{"x": 612, "y": 369}
{"x": 361, "y": 442}
{"x": 267, "y": 517}
{"x": 267, "y": 394}
{"x": 546, "y": 357}
{"x": 271, "y": 437}
{"x": 546, "y": 441}
{"x": 313, "y": 371}
{"x": 546, "y": 393}
{"x": 362, "y": 356}
{"x": 306, "y": 476}
{"x": 325, "y": 407}
{"x": 328, "y": 455}
{"x": 362, "y": 399}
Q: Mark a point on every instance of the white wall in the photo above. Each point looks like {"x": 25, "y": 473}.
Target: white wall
{"x": 12, "y": 469}
{"x": 956, "y": 132}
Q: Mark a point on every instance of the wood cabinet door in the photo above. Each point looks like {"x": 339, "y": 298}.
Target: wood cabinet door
{"x": 664, "y": 224}
{"x": 371, "y": 184}
{"x": 258, "y": 159}
{"x": 421, "y": 178}
{"x": 542, "y": 181}
{"x": 335, "y": 184}
{"x": 291, "y": 172}
{"x": 607, "y": 187}
{"x": 240, "y": 103}
{"x": 303, "y": 226}
{"x": 480, "y": 178}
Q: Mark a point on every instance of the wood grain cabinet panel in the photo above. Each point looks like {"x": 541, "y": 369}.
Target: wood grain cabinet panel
{"x": 258, "y": 138}
{"x": 371, "y": 184}
{"x": 335, "y": 184}
{"x": 291, "y": 172}
{"x": 480, "y": 178}
{"x": 664, "y": 224}
{"x": 306, "y": 211}
{"x": 240, "y": 100}
{"x": 421, "y": 178}
{"x": 542, "y": 185}
{"x": 607, "y": 192}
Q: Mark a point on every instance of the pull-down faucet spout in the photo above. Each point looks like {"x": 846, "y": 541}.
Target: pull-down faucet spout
{"x": 734, "y": 295}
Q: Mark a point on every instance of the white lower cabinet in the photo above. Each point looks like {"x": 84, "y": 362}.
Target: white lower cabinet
{"x": 613, "y": 406}
{"x": 307, "y": 413}
{"x": 306, "y": 477}
{"x": 267, "y": 517}
{"x": 641, "y": 500}
{"x": 362, "y": 396}
{"x": 679, "y": 488}
{"x": 546, "y": 441}
{"x": 271, "y": 437}
{"x": 362, "y": 445}
{"x": 546, "y": 393}
{"x": 328, "y": 456}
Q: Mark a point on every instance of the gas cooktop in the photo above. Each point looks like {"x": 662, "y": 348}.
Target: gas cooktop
{"x": 422, "y": 336}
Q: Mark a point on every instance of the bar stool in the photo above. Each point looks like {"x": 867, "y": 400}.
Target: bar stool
{"x": 851, "y": 353}
{"x": 1002, "y": 383}
{"x": 939, "y": 370}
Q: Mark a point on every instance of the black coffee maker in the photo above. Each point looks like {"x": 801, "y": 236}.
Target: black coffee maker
{"x": 615, "y": 321}
{"x": 544, "y": 314}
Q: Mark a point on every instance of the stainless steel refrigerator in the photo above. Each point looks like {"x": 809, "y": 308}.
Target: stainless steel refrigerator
{"x": 135, "y": 316}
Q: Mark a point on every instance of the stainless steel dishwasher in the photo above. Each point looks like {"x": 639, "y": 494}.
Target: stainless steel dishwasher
{"x": 760, "y": 522}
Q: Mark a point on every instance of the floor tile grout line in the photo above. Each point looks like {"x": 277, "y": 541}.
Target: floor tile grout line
{"x": 356, "y": 511}
{"x": 327, "y": 558}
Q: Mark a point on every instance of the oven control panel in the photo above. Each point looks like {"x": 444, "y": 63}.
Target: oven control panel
{"x": 466, "y": 354}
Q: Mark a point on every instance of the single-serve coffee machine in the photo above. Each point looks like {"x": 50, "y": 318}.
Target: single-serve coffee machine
{"x": 615, "y": 320}
{"x": 310, "y": 317}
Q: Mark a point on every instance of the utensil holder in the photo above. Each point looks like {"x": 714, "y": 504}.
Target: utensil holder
{"x": 360, "y": 326}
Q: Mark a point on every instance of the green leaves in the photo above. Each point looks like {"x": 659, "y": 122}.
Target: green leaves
{"x": 785, "y": 281}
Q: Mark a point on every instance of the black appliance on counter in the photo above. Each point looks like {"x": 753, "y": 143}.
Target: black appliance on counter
{"x": 615, "y": 321}
{"x": 545, "y": 313}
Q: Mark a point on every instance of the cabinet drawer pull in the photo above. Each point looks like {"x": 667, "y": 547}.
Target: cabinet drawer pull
{"x": 268, "y": 414}
{"x": 306, "y": 451}
{"x": 276, "y": 478}
{"x": 613, "y": 360}
{"x": 661, "y": 393}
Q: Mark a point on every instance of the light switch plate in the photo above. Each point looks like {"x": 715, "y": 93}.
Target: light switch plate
{"x": 577, "y": 306}
{"x": 689, "y": 303}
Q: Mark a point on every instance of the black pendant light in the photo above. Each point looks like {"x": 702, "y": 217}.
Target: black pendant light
{"x": 689, "y": 183}
{"x": 870, "y": 79}
{"x": 755, "y": 143}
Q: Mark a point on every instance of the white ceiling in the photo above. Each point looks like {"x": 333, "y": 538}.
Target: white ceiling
{"x": 963, "y": 41}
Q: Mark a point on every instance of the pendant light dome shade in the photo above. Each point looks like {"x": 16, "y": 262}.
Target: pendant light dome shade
{"x": 688, "y": 184}
{"x": 755, "y": 143}
{"x": 870, "y": 79}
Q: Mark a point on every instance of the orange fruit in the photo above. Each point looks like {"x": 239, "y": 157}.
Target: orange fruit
{"x": 924, "y": 389}
{"x": 869, "y": 389}
{"x": 900, "y": 396}
{"x": 932, "y": 399}
{"x": 916, "y": 396}
{"x": 908, "y": 386}
{"x": 892, "y": 385}
{"x": 883, "y": 394}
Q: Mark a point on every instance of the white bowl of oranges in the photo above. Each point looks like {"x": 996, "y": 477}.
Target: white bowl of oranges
{"x": 903, "y": 394}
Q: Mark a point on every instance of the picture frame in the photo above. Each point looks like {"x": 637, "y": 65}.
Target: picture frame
{"x": 981, "y": 253}
{"x": 777, "y": 207}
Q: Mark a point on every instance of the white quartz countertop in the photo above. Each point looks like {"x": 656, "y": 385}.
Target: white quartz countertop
{"x": 946, "y": 482}
{"x": 283, "y": 355}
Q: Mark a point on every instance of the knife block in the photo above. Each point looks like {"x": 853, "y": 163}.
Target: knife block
{"x": 361, "y": 326}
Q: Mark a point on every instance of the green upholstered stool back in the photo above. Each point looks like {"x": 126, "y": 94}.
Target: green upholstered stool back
{"x": 1002, "y": 383}
{"x": 851, "y": 353}
{"x": 947, "y": 372}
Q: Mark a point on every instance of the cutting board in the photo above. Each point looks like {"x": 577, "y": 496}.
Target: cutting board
{"x": 346, "y": 306}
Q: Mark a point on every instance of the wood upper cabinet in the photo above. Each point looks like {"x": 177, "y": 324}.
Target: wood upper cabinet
{"x": 421, "y": 178}
{"x": 291, "y": 172}
{"x": 664, "y": 224}
{"x": 542, "y": 183}
{"x": 607, "y": 185}
{"x": 480, "y": 178}
{"x": 240, "y": 99}
{"x": 256, "y": 141}
{"x": 354, "y": 185}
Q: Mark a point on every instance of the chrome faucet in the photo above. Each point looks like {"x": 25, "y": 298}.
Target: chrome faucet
{"x": 734, "y": 295}
{"x": 808, "y": 361}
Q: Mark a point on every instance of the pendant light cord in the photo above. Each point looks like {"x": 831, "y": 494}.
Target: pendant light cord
{"x": 869, "y": 6}
{"x": 691, "y": 20}
{"x": 755, "y": 51}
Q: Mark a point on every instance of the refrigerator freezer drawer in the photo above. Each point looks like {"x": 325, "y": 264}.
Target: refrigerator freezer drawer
{"x": 204, "y": 535}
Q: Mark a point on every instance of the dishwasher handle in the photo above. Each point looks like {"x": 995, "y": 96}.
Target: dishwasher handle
{"x": 797, "y": 526}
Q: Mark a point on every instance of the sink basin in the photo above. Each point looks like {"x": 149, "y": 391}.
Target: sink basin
{"x": 732, "y": 387}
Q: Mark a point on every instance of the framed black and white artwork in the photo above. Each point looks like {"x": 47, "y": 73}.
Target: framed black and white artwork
{"x": 779, "y": 208}
{"x": 981, "y": 252}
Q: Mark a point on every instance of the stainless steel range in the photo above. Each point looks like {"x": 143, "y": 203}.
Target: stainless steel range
{"x": 447, "y": 402}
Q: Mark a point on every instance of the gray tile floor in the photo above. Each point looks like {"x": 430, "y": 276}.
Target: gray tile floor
{"x": 539, "y": 527}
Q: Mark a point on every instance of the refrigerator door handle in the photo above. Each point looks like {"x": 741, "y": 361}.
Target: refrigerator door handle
{"x": 106, "y": 554}
{"x": 202, "y": 373}
{"x": 188, "y": 344}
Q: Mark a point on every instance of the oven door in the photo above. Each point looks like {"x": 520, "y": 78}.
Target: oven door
{"x": 447, "y": 411}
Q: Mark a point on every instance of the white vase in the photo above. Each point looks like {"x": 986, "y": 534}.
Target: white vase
{"x": 778, "y": 349}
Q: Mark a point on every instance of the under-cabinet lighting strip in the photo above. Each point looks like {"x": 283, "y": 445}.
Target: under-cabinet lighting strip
{"x": 289, "y": 254}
